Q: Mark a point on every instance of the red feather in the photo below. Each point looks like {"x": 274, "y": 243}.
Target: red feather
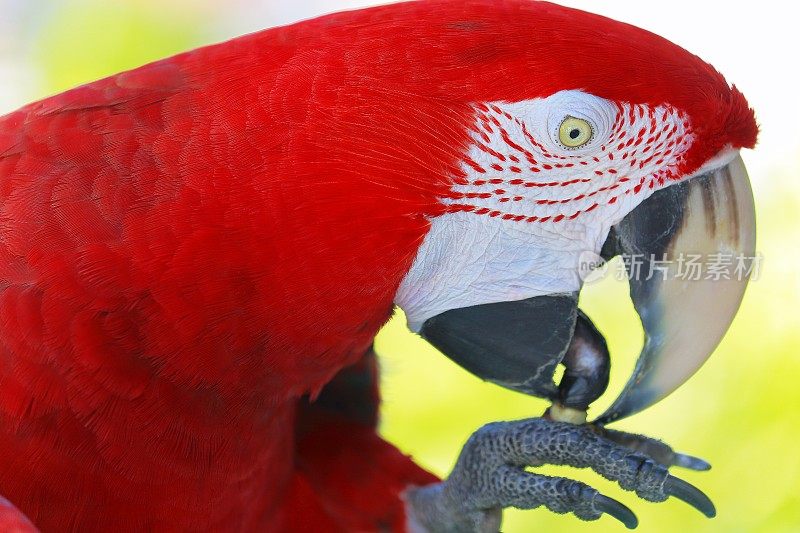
{"x": 12, "y": 521}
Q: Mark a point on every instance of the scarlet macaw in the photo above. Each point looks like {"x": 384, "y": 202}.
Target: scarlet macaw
{"x": 196, "y": 255}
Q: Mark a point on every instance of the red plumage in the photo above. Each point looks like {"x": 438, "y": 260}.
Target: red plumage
{"x": 12, "y": 521}
{"x": 188, "y": 248}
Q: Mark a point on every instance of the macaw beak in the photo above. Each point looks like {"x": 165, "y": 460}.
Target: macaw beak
{"x": 689, "y": 250}
{"x": 707, "y": 221}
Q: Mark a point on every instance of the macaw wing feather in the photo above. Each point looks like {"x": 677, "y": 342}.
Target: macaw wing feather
{"x": 356, "y": 477}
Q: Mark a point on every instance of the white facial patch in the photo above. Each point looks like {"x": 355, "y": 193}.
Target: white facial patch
{"x": 530, "y": 207}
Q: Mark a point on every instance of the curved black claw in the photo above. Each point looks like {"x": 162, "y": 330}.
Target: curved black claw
{"x": 690, "y": 462}
{"x": 616, "y": 509}
{"x": 655, "y": 449}
{"x": 691, "y": 495}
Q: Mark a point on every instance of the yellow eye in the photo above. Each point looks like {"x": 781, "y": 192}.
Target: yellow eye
{"x": 575, "y": 132}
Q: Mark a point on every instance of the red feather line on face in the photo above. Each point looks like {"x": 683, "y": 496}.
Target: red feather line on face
{"x": 656, "y": 145}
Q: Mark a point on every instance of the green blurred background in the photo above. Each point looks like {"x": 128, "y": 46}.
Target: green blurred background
{"x": 740, "y": 411}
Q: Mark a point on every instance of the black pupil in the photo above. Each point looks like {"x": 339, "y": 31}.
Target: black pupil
{"x": 574, "y": 134}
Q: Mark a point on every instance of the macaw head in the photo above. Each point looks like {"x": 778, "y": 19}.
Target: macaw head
{"x": 591, "y": 138}
{"x": 546, "y": 138}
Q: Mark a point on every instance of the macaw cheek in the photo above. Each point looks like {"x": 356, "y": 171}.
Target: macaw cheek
{"x": 689, "y": 250}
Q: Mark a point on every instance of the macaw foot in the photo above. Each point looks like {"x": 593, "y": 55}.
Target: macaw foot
{"x": 490, "y": 475}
